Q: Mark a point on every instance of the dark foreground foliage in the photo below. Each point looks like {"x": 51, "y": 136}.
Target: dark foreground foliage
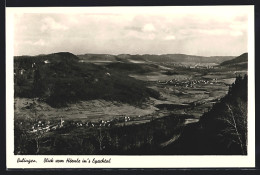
{"x": 147, "y": 138}
{"x": 225, "y": 126}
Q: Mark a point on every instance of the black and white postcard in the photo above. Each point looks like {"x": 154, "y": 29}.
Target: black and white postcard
{"x": 130, "y": 87}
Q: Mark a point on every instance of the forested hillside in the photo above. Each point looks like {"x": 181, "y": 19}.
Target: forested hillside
{"x": 60, "y": 79}
{"x": 225, "y": 126}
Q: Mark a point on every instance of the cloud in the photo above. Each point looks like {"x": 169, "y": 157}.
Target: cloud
{"x": 130, "y": 33}
{"x": 148, "y": 28}
{"x": 138, "y": 29}
{"x": 170, "y": 37}
{"x": 213, "y": 31}
{"x": 39, "y": 42}
{"x": 139, "y": 35}
{"x": 147, "y": 32}
{"x": 238, "y": 26}
{"x": 222, "y": 32}
{"x": 236, "y": 33}
{"x": 50, "y": 24}
{"x": 241, "y": 18}
{"x": 150, "y": 36}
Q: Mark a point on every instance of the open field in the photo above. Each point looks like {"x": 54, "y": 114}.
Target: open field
{"x": 93, "y": 110}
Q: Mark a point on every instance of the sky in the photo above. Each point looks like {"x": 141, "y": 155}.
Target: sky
{"x": 204, "y": 31}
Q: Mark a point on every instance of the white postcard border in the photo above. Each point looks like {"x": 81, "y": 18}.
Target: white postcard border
{"x": 127, "y": 161}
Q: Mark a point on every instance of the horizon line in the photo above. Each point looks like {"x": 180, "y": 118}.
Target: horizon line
{"x": 131, "y": 54}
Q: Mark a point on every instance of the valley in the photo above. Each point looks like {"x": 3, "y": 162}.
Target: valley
{"x": 93, "y": 97}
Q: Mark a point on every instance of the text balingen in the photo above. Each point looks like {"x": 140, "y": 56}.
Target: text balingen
{"x": 23, "y": 160}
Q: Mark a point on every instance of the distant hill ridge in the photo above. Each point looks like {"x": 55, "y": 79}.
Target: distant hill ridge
{"x": 178, "y": 58}
{"x": 155, "y": 58}
{"x": 240, "y": 59}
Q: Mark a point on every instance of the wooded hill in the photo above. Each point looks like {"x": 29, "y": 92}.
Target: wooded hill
{"x": 239, "y": 62}
{"x": 60, "y": 78}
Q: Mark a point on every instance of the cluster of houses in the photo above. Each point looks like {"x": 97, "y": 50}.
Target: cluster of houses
{"x": 198, "y": 66}
{"x": 191, "y": 66}
{"x": 102, "y": 123}
{"x": 46, "y": 126}
{"x": 187, "y": 83}
{"x": 92, "y": 124}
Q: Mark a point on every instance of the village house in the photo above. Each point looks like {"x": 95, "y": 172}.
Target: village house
{"x": 22, "y": 71}
{"x": 47, "y": 62}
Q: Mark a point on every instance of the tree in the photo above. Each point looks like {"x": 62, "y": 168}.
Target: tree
{"x": 38, "y": 132}
{"x": 225, "y": 125}
{"x": 100, "y": 138}
{"x": 236, "y": 129}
